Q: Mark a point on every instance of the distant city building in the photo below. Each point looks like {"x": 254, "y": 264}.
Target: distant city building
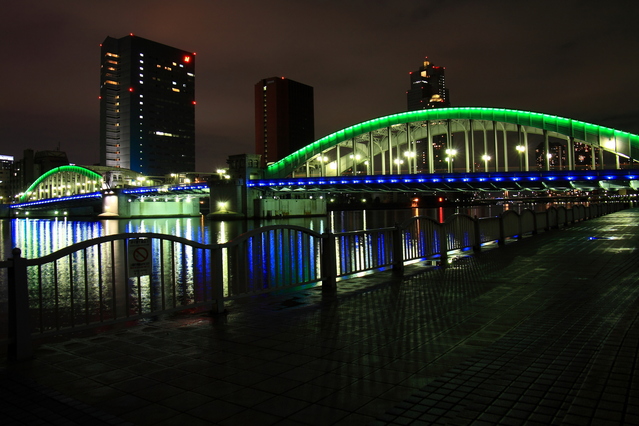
{"x": 6, "y": 167}
{"x": 147, "y": 106}
{"x": 583, "y": 156}
{"x": 427, "y": 88}
{"x": 557, "y": 158}
{"x": 284, "y": 118}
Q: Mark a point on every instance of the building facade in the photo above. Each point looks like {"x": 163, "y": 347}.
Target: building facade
{"x": 6, "y": 169}
{"x": 147, "y": 106}
{"x": 284, "y": 118}
{"x": 427, "y": 88}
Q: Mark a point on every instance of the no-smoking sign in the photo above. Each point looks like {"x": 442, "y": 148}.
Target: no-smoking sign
{"x": 139, "y": 257}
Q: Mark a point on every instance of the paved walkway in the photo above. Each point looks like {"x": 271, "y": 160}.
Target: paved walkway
{"x": 543, "y": 331}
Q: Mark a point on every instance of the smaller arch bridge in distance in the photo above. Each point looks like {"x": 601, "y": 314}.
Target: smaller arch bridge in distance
{"x": 389, "y": 145}
{"x": 63, "y": 181}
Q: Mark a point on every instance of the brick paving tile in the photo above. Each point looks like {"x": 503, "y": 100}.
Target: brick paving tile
{"x": 541, "y": 331}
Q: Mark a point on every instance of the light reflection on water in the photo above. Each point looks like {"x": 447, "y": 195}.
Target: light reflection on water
{"x": 39, "y": 237}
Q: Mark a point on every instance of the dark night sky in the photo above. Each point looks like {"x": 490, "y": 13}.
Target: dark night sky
{"x": 578, "y": 59}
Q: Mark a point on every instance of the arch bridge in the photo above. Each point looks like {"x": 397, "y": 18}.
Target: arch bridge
{"x": 63, "y": 181}
{"x": 461, "y": 140}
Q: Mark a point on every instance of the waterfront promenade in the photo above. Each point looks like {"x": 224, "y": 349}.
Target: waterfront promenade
{"x": 541, "y": 331}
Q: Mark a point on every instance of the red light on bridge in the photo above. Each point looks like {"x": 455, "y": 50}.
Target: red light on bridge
{"x": 130, "y": 89}
{"x": 440, "y": 199}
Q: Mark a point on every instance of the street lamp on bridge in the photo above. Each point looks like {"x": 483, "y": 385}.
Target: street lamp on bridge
{"x": 322, "y": 159}
{"x": 410, "y": 157}
{"x": 451, "y": 157}
{"x": 521, "y": 149}
{"x": 486, "y": 159}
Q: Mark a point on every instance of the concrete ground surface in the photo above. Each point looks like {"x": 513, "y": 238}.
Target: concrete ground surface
{"x": 542, "y": 331}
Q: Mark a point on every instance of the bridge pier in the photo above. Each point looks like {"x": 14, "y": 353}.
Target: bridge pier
{"x": 123, "y": 206}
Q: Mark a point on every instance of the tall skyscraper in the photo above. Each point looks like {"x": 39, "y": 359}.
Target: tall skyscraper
{"x": 284, "y": 118}
{"x": 147, "y": 106}
{"x": 427, "y": 88}
{"x": 6, "y": 168}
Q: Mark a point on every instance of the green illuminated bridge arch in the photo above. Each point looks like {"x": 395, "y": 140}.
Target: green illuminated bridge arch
{"x": 465, "y": 139}
{"x": 63, "y": 181}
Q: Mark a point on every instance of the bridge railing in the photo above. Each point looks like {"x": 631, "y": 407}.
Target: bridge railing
{"x": 127, "y": 277}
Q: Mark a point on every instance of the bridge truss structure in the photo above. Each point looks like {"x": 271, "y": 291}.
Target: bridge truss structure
{"x": 462, "y": 140}
{"x": 64, "y": 181}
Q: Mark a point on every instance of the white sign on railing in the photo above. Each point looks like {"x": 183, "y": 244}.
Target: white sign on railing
{"x": 139, "y": 257}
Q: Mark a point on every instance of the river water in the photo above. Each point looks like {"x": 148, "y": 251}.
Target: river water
{"x": 39, "y": 237}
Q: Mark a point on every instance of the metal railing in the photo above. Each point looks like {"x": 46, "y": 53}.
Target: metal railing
{"x": 126, "y": 277}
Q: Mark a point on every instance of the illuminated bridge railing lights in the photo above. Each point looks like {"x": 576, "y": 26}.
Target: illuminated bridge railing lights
{"x": 56, "y": 200}
{"x": 496, "y": 178}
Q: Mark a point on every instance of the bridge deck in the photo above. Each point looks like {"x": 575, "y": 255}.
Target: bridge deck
{"x": 544, "y": 331}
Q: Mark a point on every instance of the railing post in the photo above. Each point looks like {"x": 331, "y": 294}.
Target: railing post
{"x": 20, "y": 347}
{"x": 329, "y": 262}
{"x": 477, "y": 232}
{"x": 520, "y": 230}
{"x": 217, "y": 277}
{"x": 502, "y": 231}
{"x": 443, "y": 245}
{"x": 398, "y": 251}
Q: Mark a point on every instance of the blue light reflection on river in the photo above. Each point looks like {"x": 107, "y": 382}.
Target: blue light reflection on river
{"x": 39, "y": 237}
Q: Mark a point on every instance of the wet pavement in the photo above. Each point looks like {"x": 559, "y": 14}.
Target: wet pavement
{"x": 542, "y": 331}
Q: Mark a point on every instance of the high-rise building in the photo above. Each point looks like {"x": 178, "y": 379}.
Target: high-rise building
{"x": 284, "y": 118}
{"x": 427, "y": 88}
{"x": 6, "y": 167}
{"x": 147, "y": 106}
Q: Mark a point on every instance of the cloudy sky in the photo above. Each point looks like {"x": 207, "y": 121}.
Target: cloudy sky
{"x": 573, "y": 58}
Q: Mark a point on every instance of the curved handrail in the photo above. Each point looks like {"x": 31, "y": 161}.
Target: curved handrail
{"x": 167, "y": 237}
{"x": 108, "y": 238}
{"x": 248, "y": 234}
{"x": 408, "y": 221}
